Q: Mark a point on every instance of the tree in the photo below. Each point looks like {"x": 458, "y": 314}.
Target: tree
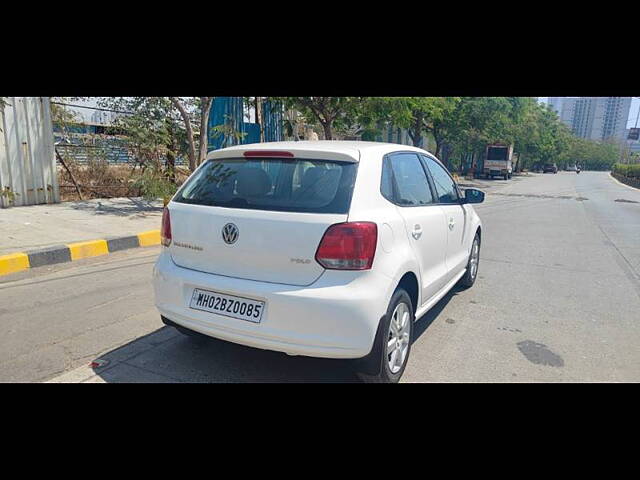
{"x": 331, "y": 112}
{"x": 204, "y": 106}
{"x": 163, "y": 127}
{"x": 410, "y": 113}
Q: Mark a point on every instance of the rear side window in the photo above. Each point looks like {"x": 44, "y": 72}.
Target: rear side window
{"x": 404, "y": 181}
{"x": 288, "y": 185}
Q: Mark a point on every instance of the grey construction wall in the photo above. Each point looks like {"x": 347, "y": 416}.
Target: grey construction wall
{"x": 27, "y": 159}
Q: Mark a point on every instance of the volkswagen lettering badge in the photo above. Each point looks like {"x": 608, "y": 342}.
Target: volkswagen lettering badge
{"x": 230, "y": 233}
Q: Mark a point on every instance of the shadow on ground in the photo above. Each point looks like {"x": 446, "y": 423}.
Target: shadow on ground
{"x": 428, "y": 318}
{"x": 167, "y": 356}
{"x": 122, "y": 207}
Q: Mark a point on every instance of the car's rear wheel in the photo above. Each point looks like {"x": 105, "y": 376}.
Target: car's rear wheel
{"x": 469, "y": 278}
{"x": 390, "y": 353}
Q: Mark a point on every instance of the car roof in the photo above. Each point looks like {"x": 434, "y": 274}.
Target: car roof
{"x": 347, "y": 150}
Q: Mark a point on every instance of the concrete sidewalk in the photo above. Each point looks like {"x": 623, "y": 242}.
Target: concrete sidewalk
{"x": 42, "y": 226}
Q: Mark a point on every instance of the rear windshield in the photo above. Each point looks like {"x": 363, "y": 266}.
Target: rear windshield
{"x": 288, "y": 185}
{"x": 497, "y": 153}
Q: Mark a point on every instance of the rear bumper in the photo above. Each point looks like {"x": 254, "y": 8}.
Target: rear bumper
{"x": 335, "y": 317}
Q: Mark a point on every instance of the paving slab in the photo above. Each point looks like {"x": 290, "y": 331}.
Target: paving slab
{"x": 43, "y": 226}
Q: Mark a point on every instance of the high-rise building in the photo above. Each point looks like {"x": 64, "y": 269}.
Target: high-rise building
{"x": 595, "y": 118}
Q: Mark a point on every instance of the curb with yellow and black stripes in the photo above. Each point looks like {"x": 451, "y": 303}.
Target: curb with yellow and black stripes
{"x": 19, "y": 261}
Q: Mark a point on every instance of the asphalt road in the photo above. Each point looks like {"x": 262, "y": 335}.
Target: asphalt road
{"x": 557, "y": 299}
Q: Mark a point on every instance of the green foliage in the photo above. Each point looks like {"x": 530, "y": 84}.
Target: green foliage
{"x": 154, "y": 185}
{"x": 592, "y": 155}
{"x": 228, "y": 131}
{"x": 8, "y": 194}
{"x": 156, "y": 131}
{"x": 630, "y": 171}
{"x": 332, "y": 113}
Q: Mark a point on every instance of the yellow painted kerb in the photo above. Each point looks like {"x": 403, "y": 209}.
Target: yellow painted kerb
{"x": 14, "y": 262}
{"x": 152, "y": 237}
{"x": 92, "y": 248}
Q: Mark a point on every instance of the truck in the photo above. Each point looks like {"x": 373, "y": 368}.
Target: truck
{"x": 498, "y": 161}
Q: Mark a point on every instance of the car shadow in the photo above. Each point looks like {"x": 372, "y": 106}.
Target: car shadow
{"x": 167, "y": 356}
{"x": 424, "y": 322}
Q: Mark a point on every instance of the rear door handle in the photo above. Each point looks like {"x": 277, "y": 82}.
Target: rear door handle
{"x": 452, "y": 223}
{"x": 417, "y": 231}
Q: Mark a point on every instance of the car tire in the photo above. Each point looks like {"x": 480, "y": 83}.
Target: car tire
{"x": 387, "y": 361}
{"x": 469, "y": 277}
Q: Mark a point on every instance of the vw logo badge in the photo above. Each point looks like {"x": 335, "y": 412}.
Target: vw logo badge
{"x": 230, "y": 233}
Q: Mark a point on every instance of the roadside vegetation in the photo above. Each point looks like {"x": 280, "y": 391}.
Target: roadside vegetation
{"x": 631, "y": 171}
{"x": 167, "y": 136}
{"x": 457, "y": 129}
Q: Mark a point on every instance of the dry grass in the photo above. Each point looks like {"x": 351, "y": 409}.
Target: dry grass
{"x": 98, "y": 179}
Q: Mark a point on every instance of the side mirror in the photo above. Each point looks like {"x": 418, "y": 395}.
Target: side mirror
{"x": 471, "y": 195}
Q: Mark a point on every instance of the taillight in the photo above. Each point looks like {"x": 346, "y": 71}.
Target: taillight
{"x": 348, "y": 246}
{"x": 165, "y": 232}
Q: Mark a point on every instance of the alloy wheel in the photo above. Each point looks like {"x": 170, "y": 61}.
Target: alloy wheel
{"x": 398, "y": 337}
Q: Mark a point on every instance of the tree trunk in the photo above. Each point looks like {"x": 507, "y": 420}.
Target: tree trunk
{"x": 439, "y": 142}
{"x": 205, "y": 108}
{"x": 417, "y": 140}
{"x": 327, "y": 130}
{"x": 187, "y": 124}
{"x": 171, "y": 167}
{"x": 416, "y": 136}
{"x": 259, "y": 117}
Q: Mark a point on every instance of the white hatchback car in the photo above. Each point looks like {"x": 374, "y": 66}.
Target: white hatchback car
{"x": 325, "y": 249}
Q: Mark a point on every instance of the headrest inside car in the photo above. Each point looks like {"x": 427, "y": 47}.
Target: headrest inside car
{"x": 252, "y": 181}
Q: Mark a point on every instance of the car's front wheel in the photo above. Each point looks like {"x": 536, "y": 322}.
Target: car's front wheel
{"x": 390, "y": 353}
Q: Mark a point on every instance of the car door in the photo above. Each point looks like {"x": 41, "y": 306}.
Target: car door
{"x": 405, "y": 183}
{"x": 448, "y": 198}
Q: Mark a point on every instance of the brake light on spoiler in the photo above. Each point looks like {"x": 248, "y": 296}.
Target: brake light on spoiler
{"x": 267, "y": 153}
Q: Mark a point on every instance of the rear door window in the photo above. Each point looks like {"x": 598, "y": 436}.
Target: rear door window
{"x": 404, "y": 181}
{"x": 291, "y": 185}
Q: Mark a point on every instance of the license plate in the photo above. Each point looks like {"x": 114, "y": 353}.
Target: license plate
{"x": 227, "y": 305}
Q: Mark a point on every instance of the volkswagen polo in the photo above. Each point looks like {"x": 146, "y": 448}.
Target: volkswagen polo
{"x": 325, "y": 248}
